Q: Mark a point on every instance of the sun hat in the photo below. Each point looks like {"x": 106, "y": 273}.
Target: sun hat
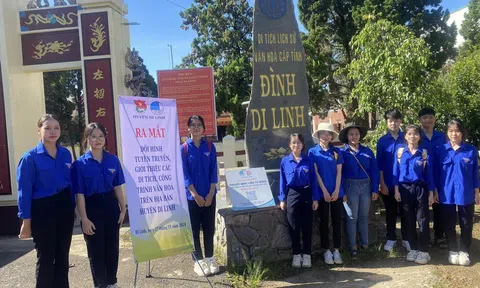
{"x": 343, "y": 134}
{"x": 325, "y": 127}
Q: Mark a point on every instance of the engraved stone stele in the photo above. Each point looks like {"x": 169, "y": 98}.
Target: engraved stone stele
{"x": 279, "y": 101}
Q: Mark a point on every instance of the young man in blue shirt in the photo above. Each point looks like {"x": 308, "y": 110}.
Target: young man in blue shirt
{"x": 432, "y": 139}
{"x": 386, "y": 147}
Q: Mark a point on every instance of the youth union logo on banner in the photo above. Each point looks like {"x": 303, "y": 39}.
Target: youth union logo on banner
{"x": 156, "y": 108}
{"x": 140, "y": 106}
{"x": 273, "y": 9}
{"x": 245, "y": 173}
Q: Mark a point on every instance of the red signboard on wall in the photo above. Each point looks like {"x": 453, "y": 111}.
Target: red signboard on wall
{"x": 195, "y": 94}
{"x": 98, "y": 77}
{"x": 5, "y": 187}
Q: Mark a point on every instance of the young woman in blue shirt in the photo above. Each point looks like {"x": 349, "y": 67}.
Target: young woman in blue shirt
{"x": 199, "y": 159}
{"x": 97, "y": 178}
{"x": 414, "y": 184}
{"x": 328, "y": 164}
{"x": 45, "y": 203}
{"x": 298, "y": 197}
{"x": 456, "y": 174}
{"x": 360, "y": 181}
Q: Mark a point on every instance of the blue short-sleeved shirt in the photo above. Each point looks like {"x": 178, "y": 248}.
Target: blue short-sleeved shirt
{"x": 413, "y": 168}
{"x": 386, "y": 147}
{"x": 327, "y": 161}
{"x": 199, "y": 167}
{"x": 39, "y": 175}
{"x": 301, "y": 174}
{"x": 89, "y": 177}
{"x": 352, "y": 170}
{"x": 456, "y": 174}
{"x": 438, "y": 139}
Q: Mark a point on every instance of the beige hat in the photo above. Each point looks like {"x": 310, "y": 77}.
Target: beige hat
{"x": 325, "y": 127}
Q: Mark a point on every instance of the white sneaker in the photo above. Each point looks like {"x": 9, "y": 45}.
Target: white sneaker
{"x": 406, "y": 244}
{"x": 412, "y": 255}
{"x": 328, "y": 256}
{"x": 390, "y": 245}
{"x": 203, "y": 266}
{"x": 337, "y": 258}
{"x": 453, "y": 257}
{"x": 463, "y": 258}
{"x": 307, "y": 261}
{"x": 212, "y": 265}
{"x": 423, "y": 258}
{"x": 297, "y": 261}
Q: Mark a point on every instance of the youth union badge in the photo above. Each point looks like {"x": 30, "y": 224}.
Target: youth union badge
{"x": 273, "y": 9}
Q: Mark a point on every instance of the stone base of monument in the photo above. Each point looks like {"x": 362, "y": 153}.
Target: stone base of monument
{"x": 243, "y": 236}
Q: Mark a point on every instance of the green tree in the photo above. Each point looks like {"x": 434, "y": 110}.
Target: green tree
{"x": 64, "y": 98}
{"x": 224, "y": 42}
{"x": 389, "y": 69}
{"x": 425, "y": 18}
{"x": 332, "y": 24}
{"x": 464, "y": 85}
{"x": 470, "y": 29}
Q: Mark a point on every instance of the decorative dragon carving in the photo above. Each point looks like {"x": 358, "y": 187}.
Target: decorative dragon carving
{"x": 56, "y": 47}
{"x": 135, "y": 81}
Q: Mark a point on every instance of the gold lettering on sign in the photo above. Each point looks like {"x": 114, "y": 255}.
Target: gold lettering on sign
{"x": 99, "y": 35}
{"x": 51, "y": 19}
{"x": 101, "y": 112}
{"x": 300, "y": 116}
{"x": 99, "y": 93}
{"x": 55, "y": 47}
{"x": 285, "y": 117}
{"x": 277, "y": 84}
{"x": 98, "y": 75}
{"x": 274, "y": 114}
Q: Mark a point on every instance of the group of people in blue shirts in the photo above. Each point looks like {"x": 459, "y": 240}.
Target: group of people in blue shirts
{"x": 412, "y": 170}
{"x": 50, "y": 187}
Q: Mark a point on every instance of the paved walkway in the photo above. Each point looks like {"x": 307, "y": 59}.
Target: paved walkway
{"x": 17, "y": 267}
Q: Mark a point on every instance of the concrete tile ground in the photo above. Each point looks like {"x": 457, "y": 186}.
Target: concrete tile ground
{"x": 17, "y": 267}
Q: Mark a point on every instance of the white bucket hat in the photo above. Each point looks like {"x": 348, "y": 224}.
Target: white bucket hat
{"x": 325, "y": 127}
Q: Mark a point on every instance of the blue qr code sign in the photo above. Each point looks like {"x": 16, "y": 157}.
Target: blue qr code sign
{"x": 251, "y": 195}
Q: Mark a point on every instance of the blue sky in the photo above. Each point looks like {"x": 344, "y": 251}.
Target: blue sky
{"x": 160, "y": 26}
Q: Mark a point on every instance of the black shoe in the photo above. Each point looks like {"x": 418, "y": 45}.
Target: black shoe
{"x": 354, "y": 253}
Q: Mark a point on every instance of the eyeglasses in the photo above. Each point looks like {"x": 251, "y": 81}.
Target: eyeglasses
{"x": 95, "y": 138}
{"x": 196, "y": 126}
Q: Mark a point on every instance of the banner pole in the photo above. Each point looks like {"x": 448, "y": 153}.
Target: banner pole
{"x": 196, "y": 260}
{"x": 135, "y": 279}
{"x": 149, "y": 271}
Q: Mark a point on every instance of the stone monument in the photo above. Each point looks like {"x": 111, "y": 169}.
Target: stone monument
{"x": 279, "y": 101}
